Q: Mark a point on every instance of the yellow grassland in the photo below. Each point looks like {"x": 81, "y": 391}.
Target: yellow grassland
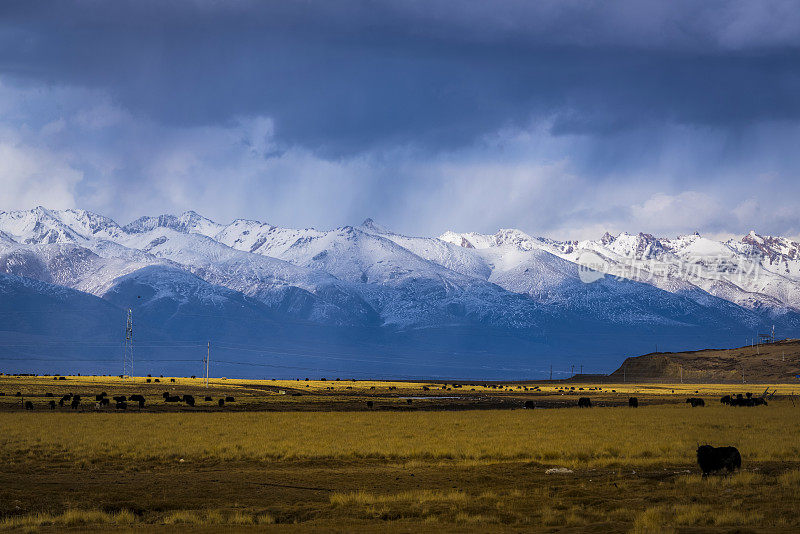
{"x": 572, "y": 437}
{"x": 34, "y": 384}
{"x": 633, "y": 470}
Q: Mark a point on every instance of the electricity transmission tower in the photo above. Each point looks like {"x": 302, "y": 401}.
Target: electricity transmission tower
{"x": 127, "y": 353}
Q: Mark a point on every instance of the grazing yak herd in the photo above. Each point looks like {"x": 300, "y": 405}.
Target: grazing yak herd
{"x": 709, "y": 459}
{"x": 731, "y": 400}
{"x": 121, "y": 402}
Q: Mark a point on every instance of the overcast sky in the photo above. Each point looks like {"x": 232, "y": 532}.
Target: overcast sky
{"x": 562, "y": 118}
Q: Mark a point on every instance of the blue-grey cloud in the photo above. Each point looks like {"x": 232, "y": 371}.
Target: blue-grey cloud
{"x": 561, "y": 117}
{"x": 345, "y": 76}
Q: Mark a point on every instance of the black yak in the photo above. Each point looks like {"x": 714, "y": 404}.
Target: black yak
{"x": 695, "y": 402}
{"x": 172, "y": 398}
{"x": 633, "y": 402}
{"x": 230, "y": 399}
{"x": 712, "y": 459}
{"x": 28, "y": 405}
{"x": 120, "y": 398}
{"x": 584, "y": 402}
{"x": 76, "y": 401}
{"x": 105, "y": 401}
{"x": 529, "y": 405}
{"x": 370, "y": 404}
{"x": 165, "y": 394}
{"x": 726, "y": 400}
{"x": 122, "y": 405}
{"x": 98, "y": 398}
{"x": 52, "y": 405}
{"x": 48, "y": 394}
{"x": 208, "y": 399}
{"x": 188, "y": 399}
{"x": 137, "y": 398}
{"x": 221, "y": 403}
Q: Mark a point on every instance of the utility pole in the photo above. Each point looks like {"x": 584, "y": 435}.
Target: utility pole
{"x": 581, "y": 369}
{"x": 127, "y": 349}
{"x": 573, "y": 371}
{"x": 208, "y": 360}
{"x": 551, "y": 372}
{"x": 681, "y": 367}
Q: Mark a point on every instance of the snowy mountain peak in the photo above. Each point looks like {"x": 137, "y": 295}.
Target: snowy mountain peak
{"x": 516, "y": 238}
{"x": 36, "y": 226}
{"x": 775, "y": 249}
{"x": 756, "y": 272}
{"x": 371, "y": 226}
{"x": 88, "y": 224}
{"x": 188, "y": 222}
{"x": 641, "y": 245}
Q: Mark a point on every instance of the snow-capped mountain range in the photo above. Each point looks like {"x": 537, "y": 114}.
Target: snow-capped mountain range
{"x": 472, "y": 304}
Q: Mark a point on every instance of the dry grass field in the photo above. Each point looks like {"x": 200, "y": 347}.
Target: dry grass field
{"x": 325, "y": 461}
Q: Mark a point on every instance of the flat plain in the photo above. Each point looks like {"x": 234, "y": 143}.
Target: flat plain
{"x": 361, "y": 456}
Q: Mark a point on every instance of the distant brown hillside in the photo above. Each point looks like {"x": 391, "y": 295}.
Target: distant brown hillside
{"x": 772, "y": 362}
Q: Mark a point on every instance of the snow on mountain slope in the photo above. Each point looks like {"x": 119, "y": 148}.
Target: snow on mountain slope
{"x": 499, "y": 302}
{"x": 6, "y": 240}
{"x": 779, "y": 254}
{"x": 262, "y": 238}
{"x": 689, "y": 265}
{"x": 523, "y": 264}
{"x": 38, "y": 225}
{"x": 69, "y": 265}
{"x": 456, "y": 258}
{"x": 405, "y": 288}
{"x": 314, "y": 294}
{"x": 187, "y": 222}
{"x": 408, "y": 289}
{"x": 370, "y": 275}
{"x": 94, "y": 251}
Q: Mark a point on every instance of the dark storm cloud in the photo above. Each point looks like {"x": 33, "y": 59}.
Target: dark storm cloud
{"x": 342, "y": 77}
{"x": 563, "y": 117}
